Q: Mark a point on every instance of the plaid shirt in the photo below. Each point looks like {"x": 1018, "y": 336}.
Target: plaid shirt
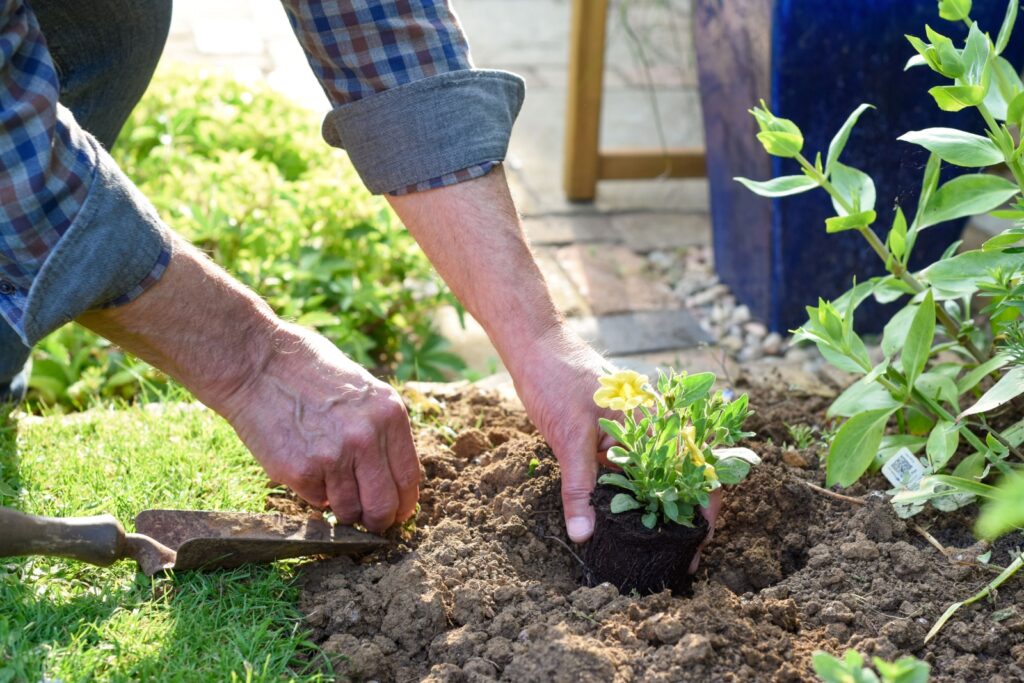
{"x": 47, "y": 163}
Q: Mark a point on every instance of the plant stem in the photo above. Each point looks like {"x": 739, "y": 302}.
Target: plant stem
{"x": 892, "y": 264}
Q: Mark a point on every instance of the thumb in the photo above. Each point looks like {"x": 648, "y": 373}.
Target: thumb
{"x": 579, "y": 472}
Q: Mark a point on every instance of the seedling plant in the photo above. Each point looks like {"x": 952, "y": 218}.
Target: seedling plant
{"x": 676, "y": 443}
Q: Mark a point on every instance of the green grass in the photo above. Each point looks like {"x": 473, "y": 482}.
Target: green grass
{"x": 62, "y": 620}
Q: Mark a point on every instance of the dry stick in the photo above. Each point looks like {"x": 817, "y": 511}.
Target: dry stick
{"x": 934, "y": 542}
{"x": 833, "y": 494}
{"x": 566, "y": 546}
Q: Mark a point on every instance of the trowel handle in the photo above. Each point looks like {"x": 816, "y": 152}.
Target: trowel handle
{"x": 97, "y": 540}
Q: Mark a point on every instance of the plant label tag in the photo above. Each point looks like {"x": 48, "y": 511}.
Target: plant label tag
{"x": 903, "y": 470}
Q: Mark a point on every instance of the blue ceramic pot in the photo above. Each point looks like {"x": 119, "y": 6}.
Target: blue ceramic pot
{"x": 814, "y": 61}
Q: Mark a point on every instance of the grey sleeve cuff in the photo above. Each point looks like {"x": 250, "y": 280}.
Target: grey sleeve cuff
{"x": 115, "y": 242}
{"x": 428, "y": 128}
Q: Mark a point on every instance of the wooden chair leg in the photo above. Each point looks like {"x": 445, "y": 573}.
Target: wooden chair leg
{"x": 583, "y": 109}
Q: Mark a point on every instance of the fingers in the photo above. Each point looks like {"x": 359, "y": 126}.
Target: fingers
{"x": 310, "y": 487}
{"x": 606, "y": 442}
{"x": 378, "y": 494}
{"x": 711, "y": 514}
{"x": 343, "y": 492}
{"x": 404, "y": 465}
{"x": 579, "y": 473}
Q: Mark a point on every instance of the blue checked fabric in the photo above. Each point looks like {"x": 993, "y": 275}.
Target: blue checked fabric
{"x": 356, "y": 48}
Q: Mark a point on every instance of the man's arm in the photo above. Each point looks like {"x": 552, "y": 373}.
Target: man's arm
{"x": 472, "y": 234}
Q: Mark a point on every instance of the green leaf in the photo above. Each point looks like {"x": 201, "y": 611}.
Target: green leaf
{"x": 1008, "y": 238}
{"x": 1015, "y": 110}
{"x": 939, "y": 387}
{"x": 918, "y": 345}
{"x": 786, "y": 145}
{"x": 960, "y": 275}
{"x": 851, "y": 222}
{"x": 782, "y": 186}
{"x": 1006, "y": 30}
{"x": 616, "y": 479}
{"x": 894, "y": 336}
{"x": 954, "y": 10}
{"x": 696, "y": 387}
{"x": 613, "y": 429}
{"x": 619, "y": 456}
{"x": 1005, "y": 513}
{"x": 835, "y": 148}
{"x": 956, "y": 146}
{"x": 903, "y": 670}
{"x": 860, "y": 396}
{"x": 957, "y": 97}
{"x": 649, "y": 519}
{"x": 1006, "y": 389}
{"x": 971, "y": 379}
{"x": 854, "y": 447}
{"x": 1004, "y": 84}
{"x": 976, "y": 58}
{"x": 942, "y": 443}
{"x": 623, "y": 502}
{"x": 897, "y": 238}
{"x": 732, "y": 471}
{"x": 855, "y": 186}
{"x": 967, "y": 195}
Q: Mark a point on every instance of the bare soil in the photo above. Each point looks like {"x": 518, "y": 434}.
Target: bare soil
{"x": 487, "y": 586}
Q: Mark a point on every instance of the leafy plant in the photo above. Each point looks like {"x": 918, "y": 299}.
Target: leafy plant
{"x": 801, "y": 434}
{"x": 669, "y": 453}
{"x": 73, "y": 369}
{"x": 947, "y": 369}
{"x": 245, "y": 175}
{"x": 851, "y": 669}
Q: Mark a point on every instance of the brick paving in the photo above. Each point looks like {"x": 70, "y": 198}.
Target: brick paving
{"x": 597, "y": 257}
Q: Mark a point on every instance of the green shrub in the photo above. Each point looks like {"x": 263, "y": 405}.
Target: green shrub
{"x": 245, "y": 175}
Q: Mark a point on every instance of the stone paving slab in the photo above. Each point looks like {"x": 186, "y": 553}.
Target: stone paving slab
{"x": 641, "y": 332}
{"x": 613, "y": 279}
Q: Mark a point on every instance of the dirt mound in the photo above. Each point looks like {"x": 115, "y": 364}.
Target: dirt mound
{"x": 487, "y": 585}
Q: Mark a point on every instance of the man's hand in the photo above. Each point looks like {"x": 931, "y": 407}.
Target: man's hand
{"x": 314, "y": 419}
{"x": 325, "y": 427}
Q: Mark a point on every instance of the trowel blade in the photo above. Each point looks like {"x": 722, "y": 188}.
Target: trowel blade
{"x": 223, "y": 540}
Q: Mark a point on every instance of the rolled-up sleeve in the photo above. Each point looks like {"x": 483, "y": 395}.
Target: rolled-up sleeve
{"x": 74, "y": 232}
{"x": 409, "y": 107}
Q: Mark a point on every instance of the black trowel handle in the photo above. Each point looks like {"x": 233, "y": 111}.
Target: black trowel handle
{"x": 97, "y": 540}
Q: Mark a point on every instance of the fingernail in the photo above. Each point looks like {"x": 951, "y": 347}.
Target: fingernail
{"x": 579, "y": 528}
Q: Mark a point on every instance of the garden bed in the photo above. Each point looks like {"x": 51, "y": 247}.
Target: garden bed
{"x": 487, "y": 586}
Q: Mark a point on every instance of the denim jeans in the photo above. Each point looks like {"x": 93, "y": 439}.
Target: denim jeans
{"x": 105, "y": 52}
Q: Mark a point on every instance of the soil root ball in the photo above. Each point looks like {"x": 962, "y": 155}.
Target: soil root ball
{"x": 632, "y": 557}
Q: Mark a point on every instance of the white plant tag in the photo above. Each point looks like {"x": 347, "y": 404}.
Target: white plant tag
{"x": 903, "y": 470}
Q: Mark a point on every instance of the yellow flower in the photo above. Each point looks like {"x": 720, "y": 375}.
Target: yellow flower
{"x": 623, "y": 391}
{"x": 696, "y": 455}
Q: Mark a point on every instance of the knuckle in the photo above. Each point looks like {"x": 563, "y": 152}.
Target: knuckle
{"x": 380, "y": 514}
{"x": 358, "y": 438}
{"x": 391, "y": 409}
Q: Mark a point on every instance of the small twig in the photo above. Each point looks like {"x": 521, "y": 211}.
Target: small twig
{"x": 833, "y": 494}
{"x": 566, "y": 546}
{"x": 934, "y": 542}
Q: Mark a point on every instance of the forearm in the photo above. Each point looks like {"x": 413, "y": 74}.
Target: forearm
{"x": 196, "y": 324}
{"x": 472, "y": 234}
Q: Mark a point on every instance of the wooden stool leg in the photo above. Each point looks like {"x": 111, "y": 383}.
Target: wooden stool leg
{"x": 583, "y": 109}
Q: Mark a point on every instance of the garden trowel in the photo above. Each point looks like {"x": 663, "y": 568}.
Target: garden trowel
{"x": 180, "y": 539}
